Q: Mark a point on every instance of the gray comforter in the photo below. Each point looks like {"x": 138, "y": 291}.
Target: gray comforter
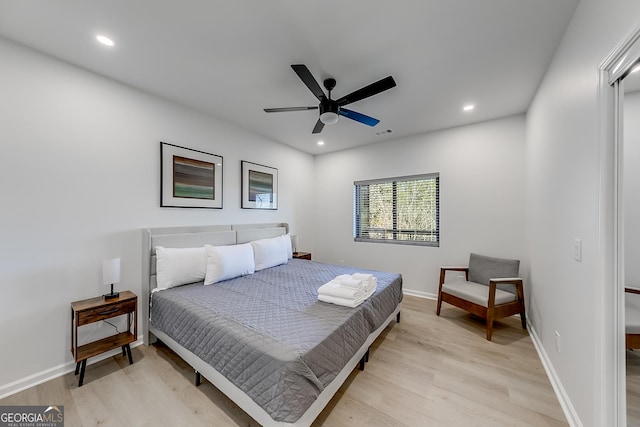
{"x": 268, "y": 333}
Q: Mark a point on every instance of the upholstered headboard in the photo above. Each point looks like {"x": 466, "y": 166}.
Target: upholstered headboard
{"x": 193, "y": 236}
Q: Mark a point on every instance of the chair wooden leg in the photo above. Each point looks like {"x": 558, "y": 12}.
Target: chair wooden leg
{"x": 489, "y": 328}
{"x": 490, "y": 308}
{"x": 520, "y": 293}
{"x": 440, "y": 282}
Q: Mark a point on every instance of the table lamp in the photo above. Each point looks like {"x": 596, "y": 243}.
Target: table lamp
{"x": 111, "y": 275}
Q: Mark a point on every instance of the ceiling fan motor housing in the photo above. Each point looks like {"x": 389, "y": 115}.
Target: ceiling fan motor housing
{"x": 329, "y": 111}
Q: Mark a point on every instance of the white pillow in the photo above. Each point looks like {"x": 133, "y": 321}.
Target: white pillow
{"x": 227, "y": 262}
{"x": 179, "y": 266}
{"x": 288, "y": 244}
{"x": 270, "y": 252}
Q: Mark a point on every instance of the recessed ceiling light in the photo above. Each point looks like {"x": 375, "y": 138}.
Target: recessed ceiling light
{"x": 105, "y": 40}
{"x": 468, "y": 107}
{"x": 320, "y": 142}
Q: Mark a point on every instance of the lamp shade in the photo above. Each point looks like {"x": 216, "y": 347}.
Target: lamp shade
{"x": 294, "y": 242}
{"x": 111, "y": 271}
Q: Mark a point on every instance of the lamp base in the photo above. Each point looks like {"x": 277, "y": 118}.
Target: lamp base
{"x": 111, "y": 295}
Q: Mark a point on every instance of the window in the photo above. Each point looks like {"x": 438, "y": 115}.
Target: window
{"x": 398, "y": 210}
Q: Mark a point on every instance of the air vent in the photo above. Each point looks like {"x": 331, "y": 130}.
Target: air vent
{"x": 384, "y": 132}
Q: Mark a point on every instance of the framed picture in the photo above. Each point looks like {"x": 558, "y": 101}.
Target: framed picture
{"x": 189, "y": 178}
{"x": 259, "y": 186}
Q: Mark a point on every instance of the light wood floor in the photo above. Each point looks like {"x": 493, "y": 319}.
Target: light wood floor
{"x": 424, "y": 371}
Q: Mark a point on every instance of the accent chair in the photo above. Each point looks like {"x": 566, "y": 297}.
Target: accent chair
{"x": 490, "y": 289}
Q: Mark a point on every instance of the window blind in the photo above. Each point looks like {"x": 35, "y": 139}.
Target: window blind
{"x": 398, "y": 210}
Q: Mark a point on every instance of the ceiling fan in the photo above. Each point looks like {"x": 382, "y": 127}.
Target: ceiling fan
{"x": 329, "y": 108}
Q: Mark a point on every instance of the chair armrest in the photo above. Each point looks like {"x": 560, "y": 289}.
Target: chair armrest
{"x": 515, "y": 281}
{"x": 454, "y": 268}
{"x": 443, "y": 272}
{"x": 506, "y": 279}
{"x": 632, "y": 290}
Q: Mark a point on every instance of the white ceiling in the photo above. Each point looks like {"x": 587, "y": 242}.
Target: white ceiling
{"x": 232, "y": 58}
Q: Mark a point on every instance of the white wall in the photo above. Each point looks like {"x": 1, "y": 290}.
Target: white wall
{"x": 79, "y": 178}
{"x": 481, "y": 170}
{"x": 563, "y": 204}
{"x": 632, "y": 188}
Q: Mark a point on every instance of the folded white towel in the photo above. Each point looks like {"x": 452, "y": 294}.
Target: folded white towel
{"x": 351, "y": 283}
{"x": 369, "y": 280}
{"x": 370, "y": 286}
{"x": 335, "y": 289}
{"x": 363, "y": 276}
{"x": 341, "y": 301}
{"x": 370, "y": 291}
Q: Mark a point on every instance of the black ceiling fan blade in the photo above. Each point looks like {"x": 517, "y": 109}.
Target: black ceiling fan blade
{"x": 307, "y": 78}
{"x": 285, "y": 109}
{"x": 367, "y": 91}
{"x": 358, "y": 117}
{"x": 318, "y": 127}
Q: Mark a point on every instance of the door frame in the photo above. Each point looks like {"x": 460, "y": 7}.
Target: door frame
{"x": 611, "y": 328}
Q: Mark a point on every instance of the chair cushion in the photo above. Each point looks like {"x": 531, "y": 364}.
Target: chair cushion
{"x": 476, "y": 293}
{"x": 484, "y": 268}
{"x": 632, "y": 313}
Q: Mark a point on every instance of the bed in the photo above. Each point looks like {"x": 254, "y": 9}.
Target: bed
{"x": 264, "y": 339}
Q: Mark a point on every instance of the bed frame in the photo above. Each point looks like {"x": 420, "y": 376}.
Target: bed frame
{"x": 183, "y": 237}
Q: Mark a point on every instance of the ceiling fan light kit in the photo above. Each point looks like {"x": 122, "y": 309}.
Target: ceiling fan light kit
{"x": 331, "y": 109}
{"x": 329, "y": 118}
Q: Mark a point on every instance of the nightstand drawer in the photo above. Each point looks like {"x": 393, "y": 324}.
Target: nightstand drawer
{"x": 101, "y": 313}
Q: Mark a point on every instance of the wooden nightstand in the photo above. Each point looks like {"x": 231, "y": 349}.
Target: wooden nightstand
{"x": 302, "y": 255}
{"x": 94, "y": 310}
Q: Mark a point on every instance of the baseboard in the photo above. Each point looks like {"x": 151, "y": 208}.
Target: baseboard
{"x": 569, "y": 411}
{"x": 55, "y": 372}
{"x": 419, "y": 294}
